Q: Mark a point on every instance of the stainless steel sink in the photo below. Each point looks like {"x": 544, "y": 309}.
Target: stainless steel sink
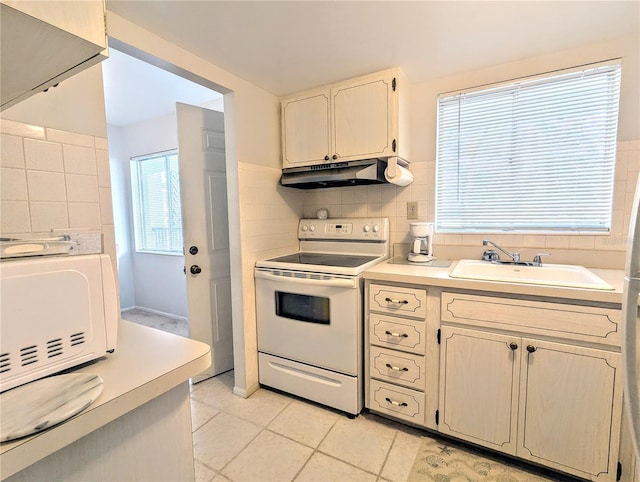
{"x": 549, "y": 274}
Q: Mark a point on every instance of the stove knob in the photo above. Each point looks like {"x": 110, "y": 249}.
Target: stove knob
{"x": 366, "y": 228}
{"x": 312, "y": 228}
{"x": 376, "y": 228}
{"x": 304, "y": 227}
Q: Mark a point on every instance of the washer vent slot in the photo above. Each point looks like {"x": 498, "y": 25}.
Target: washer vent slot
{"x": 29, "y": 355}
{"x": 5, "y": 362}
{"x": 77, "y": 339}
{"x": 54, "y": 348}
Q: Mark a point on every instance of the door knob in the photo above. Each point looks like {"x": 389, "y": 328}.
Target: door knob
{"x": 195, "y": 269}
{"x": 513, "y": 346}
{"x": 193, "y": 250}
{"x": 531, "y": 348}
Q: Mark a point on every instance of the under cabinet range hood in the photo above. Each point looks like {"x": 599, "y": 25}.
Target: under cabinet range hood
{"x": 335, "y": 174}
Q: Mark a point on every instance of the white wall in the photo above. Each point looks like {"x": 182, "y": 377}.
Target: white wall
{"x": 121, "y": 192}
{"x": 76, "y": 105}
{"x": 149, "y": 281}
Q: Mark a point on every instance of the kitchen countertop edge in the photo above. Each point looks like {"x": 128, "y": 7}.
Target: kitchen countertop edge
{"x": 439, "y": 277}
{"x": 146, "y": 363}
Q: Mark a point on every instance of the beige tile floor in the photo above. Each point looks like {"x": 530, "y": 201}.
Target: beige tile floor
{"x": 275, "y": 437}
{"x": 271, "y": 436}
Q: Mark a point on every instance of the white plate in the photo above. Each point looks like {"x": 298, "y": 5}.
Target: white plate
{"x": 41, "y": 404}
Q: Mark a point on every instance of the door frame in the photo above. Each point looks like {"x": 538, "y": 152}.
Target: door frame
{"x": 233, "y": 205}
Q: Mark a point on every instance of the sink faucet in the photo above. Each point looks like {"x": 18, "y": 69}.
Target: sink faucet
{"x": 515, "y": 256}
{"x": 537, "y": 259}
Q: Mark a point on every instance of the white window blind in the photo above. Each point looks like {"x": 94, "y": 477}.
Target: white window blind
{"x": 156, "y": 203}
{"x": 537, "y": 155}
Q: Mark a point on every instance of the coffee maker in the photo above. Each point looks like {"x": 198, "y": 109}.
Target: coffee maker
{"x": 421, "y": 247}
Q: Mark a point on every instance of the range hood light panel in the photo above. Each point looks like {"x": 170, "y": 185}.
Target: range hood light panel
{"x": 340, "y": 174}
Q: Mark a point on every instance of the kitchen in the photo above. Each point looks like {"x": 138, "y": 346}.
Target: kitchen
{"x": 257, "y": 162}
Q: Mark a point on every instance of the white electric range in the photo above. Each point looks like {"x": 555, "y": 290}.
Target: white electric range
{"x": 309, "y": 309}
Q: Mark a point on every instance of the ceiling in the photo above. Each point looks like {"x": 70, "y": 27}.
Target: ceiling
{"x": 289, "y": 46}
{"x": 135, "y": 91}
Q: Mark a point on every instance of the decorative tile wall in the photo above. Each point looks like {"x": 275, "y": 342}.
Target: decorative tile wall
{"x": 54, "y": 180}
{"x": 269, "y": 217}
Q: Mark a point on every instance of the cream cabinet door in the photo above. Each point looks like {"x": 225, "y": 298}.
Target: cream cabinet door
{"x": 306, "y": 129}
{"x": 364, "y": 124}
{"x": 478, "y": 387}
{"x": 567, "y": 418}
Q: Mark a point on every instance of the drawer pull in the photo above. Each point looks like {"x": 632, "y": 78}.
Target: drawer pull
{"x": 397, "y": 335}
{"x": 396, "y": 369}
{"x": 396, "y": 302}
{"x": 397, "y": 404}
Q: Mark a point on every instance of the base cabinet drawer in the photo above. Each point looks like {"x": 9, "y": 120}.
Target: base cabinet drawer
{"x": 396, "y": 367}
{"x": 397, "y": 401}
{"x": 398, "y": 300}
{"x": 397, "y": 333}
{"x": 560, "y": 320}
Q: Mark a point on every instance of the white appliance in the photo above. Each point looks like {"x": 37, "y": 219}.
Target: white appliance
{"x": 309, "y": 309}
{"x": 631, "y": 326}
{"x": 421, "y": 249}
{"x": 57, "y": 312}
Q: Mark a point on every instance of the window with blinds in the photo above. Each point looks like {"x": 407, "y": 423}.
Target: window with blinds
{"x": 157, "y": 217}
{"x": 536, "y": 155}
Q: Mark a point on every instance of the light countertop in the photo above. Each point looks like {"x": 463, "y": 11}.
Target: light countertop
{"x": 437, "y": 276}
{"x": 145, "y": 364}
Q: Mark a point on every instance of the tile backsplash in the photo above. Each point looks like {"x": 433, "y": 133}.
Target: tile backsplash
{"x": 54, "y": 180}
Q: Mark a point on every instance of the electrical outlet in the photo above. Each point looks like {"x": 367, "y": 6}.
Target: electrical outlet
{"x": 412, "y": 210}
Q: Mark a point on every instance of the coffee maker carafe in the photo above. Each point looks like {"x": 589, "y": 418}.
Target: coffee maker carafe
{"x": 421, "y": 248}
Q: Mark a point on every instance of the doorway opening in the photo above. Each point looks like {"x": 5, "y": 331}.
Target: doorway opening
{"x": 142, "y": 121}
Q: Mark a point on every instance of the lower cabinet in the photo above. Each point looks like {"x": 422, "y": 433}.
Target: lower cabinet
{"x": 397, "y": 401}
{"x": 396, "y": 371}
{"x": 478, "y": 388}
{"x": 537, "y": 379}
{"x": 555, "y": 404}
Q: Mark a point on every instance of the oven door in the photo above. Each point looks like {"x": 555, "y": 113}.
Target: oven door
{"x": 311, "y": 318}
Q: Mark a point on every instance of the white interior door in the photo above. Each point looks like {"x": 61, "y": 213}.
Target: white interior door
{"x": 203, "y": 186}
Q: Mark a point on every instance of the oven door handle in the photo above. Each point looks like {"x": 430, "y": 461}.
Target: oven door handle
{"x": 331, "y": 282}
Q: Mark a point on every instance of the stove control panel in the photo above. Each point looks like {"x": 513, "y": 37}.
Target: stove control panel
{"x": 356, "y": 229}
{"x": 345, "y": 229}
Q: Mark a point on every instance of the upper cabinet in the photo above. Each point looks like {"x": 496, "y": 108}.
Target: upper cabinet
{"x": 43, "y": 43}
{"x": 306, "y": 137}
{"x": 362, "y": 118}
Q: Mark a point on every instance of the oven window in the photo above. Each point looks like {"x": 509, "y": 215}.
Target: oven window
{"x": 312, "y": 309}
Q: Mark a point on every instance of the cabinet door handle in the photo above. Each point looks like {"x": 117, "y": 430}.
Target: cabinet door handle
{"x": 326, "y": 158}
{"x": 396, "y": 369}
{"x": 397, "y": 335}
{"x": 335, "y": 156}
{"x": 397, "y": 302}
{"x": 531, "y": 348}
{"x": 397, "y": 404}
{"x": 513, "y": 346}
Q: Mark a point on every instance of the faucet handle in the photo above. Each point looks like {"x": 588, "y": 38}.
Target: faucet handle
{"x": 538, "y": 260}
{"x": 490, "y": 255}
